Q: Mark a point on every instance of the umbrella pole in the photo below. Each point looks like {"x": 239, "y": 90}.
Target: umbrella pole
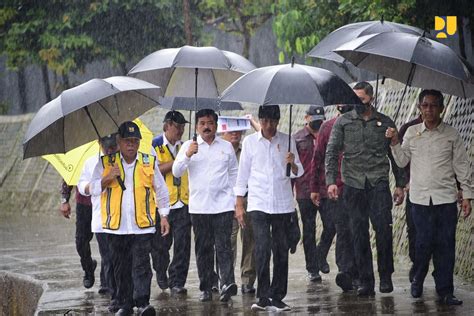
{"x": 409, "y": 79}
{"x": 119, "y": 180}
{"x": 190, "y": 123}
{"x": 195, "y": 101}
{"x": 288, "y": 165}
{"x": 376, "y": 91}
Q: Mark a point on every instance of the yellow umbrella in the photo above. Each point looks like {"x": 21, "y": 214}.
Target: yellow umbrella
{"x": 69, "y": 165}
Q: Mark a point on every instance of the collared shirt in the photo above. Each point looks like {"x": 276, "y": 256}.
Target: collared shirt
{"x": 212, "y": 172}
{"x": 436, "y": 157}
{"x": 84, "y": 180}
{"x": 174, "y": 149}
{"x": 263, "y": 169}
{"x": 128, "y": 225}
{"x": 305, "y": 144}
{"x": 366, "y": 151}
{"x": 318, "y": 182}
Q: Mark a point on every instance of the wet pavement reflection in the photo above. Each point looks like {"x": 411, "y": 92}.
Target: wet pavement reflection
{"x": 43, "y": 248}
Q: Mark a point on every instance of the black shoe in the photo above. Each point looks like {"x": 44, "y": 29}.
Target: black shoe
{"x": 206, "y": 296}
{"x": 178, "y": 290}
{"x": 411, "y": 274}
{"x": 247, "y": 289}
{"x": 324, "y": 266}
{"x": 89, "y": 278}
{"x": 113, "y": 307}
{"x": 163, "y": 283}
{"x": 228, "y": 291}
{"x": 124, "y": 312}
{"x": 344, "y": 281}
{"x": 279, "y": 306}
{"x": 104, "y": 290}
{"x": 314, "y": 277}
{"x": 416, "y": 290}
{"x": 263, "y": 304}
{"x": 355, "y": 283}
{"x": 365, "y": 290}
{"x": 386, "y": 285}
{"x": 450, "y": 299}
{"x": 146, "y": 311}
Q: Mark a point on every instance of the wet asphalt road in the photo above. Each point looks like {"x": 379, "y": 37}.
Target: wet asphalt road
{"x": 43, "y": 248}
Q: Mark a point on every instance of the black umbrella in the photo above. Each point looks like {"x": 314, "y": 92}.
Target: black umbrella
{"x": 349, "y": 32}
{"x": 414, "y": 60}
{"x": 290, "y": 84}
{"x": 84, "y": 113}
{"x": 189, "y": 104}
{"x": 191, "y": 71}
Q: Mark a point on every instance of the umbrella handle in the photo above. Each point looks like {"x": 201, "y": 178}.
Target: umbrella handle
{"x": 288, "y": 169}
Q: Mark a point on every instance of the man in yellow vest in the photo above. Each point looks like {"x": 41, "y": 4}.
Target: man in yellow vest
{"x": 166, "y": 147}
{"x": 129, "y": 183}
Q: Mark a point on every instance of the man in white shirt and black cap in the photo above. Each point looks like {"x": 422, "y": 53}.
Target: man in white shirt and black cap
{"x": 125, "y": 182}
{"x": 212, "y": 170}
{"x": 262, "y": 172}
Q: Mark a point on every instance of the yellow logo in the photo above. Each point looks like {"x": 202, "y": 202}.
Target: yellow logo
{"x": 445, "y": 25}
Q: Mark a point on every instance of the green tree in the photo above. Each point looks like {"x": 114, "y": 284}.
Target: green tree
{"x": 65, "y": 36}
{"x": 300, "y": 25}
{"x": 241, "y": 17}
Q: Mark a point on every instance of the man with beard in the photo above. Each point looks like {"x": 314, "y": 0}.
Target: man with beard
{"x": 212, "y": 170}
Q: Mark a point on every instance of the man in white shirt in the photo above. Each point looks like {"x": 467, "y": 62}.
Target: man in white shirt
{"x": 166, "y": 146}
{"x": 212, "y": 170}
{"x": 108, "y": 146}
{"x": 437, "y": 158}
{"x": 125, "y": 182}
{"x": 262, "y": 170}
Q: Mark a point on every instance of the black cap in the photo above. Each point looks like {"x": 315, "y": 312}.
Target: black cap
{"x": 129, "y": 129}
{"x": 109, "y": 140}
{"x": 269, "y": 112}
{"x": 316, "y": 112}
{"x": 176, "y": 117}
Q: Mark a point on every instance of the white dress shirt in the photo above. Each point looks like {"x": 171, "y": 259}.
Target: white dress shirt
{"x": 128, "y": 224}
{"x": 437, "y": 158}
{"x": 212, "y": 172}
{"x": 84, "y": 180}
{"x": 262, "y": 169}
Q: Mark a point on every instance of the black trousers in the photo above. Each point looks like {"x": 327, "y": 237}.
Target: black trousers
{"x": 213, "y": 230}
{"x": 132, "y": 270}
{"x": 107, "y": 279}
{"x": 411, "y": 229}
{"x": 270, "y": 233}
{"x": 436, "y": 236}
{"x": 344, "y": 246}
{"x": 374, "y": 203}
{"x": 84, "y": 235}
{"x": 180, "y": 238}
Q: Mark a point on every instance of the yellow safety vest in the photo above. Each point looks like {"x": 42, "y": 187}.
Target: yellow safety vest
{"x": 177, "y": 192}
{"x": 111, "y": 199}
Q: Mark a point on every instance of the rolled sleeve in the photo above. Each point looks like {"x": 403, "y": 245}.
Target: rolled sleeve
{"x": 161, "y": 192}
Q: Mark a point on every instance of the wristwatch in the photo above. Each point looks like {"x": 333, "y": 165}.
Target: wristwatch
{"x": 64, "y": 200}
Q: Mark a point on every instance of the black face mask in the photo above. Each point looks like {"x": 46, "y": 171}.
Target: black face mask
{"x": 315, "y": 125}
{"x": 362, "y": 107}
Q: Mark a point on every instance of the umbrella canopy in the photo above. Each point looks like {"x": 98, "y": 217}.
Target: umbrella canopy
{"x": 70, "y": 164}
{"x": 86, "y": 112}
{"x": 174, "y": 70}
{"x": 411, "y": 59}
{"x": 349, "y": 32}
{"x": 290, "y": 84}
{"x": 186, "y": 103}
